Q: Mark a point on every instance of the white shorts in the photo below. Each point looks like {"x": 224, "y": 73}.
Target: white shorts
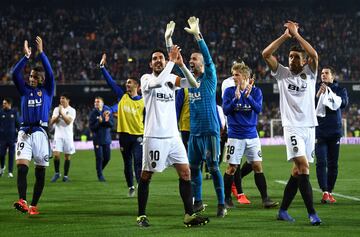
{"x": 34, "y": 146}
{"x": 300, "y": 142}
{"x": 159, "y": 154}
{"x": 237, "y": 148}
{"x": 64, "y": 145}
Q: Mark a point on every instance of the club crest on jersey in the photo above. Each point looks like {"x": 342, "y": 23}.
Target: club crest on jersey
{"x": 295, "y": 149}
{"x": 39, "y": 93}
{"x": 303, "y": 76}
{"x": 153, "y": 164}
{"x": 170, "y": 85}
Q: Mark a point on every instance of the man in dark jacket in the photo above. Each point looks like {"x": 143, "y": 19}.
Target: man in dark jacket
{"x": 8, "y": 126}
{"x": 329, "y": 131}
{"x": 101, "y": 122}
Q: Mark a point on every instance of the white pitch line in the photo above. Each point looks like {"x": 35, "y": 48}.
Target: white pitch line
{"x": 320, "y": 191}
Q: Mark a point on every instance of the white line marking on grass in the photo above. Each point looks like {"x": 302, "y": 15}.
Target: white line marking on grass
{"x": 320, "y": 191}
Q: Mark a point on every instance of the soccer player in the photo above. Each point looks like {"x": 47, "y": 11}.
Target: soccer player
{"x": 33, "y": 141}
{"x": 8, "y": 126}
{"x": 297, "y": 106}
{"x": 204, "y": 142}
{"x": 101, "y": 122}
{"x": 246, "y": 168}
{"x": 63, "y": 118}
{"x": 242, "y": 103}
{"x": 162, "y": 144}
{"x": 130, "y": 125}
{"x": 329, "y": 131}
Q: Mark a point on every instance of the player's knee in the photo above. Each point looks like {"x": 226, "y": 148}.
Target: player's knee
{"x": 185, "y": 174}
{"x": 257, "y": 167}
{"x": 231, "y": 169}
{"x": 146, "y": 176}
{"x": 214, "y": 168}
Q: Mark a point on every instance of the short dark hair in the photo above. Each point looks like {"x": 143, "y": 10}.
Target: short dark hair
{"x": 332, "y": 70}
{"x": 8, "y": 100}
{"x": 297, "y": 48}
{"x": 158, "y": 50}
{"x": 38, "y": 68}
{"x": 65, "y": 94}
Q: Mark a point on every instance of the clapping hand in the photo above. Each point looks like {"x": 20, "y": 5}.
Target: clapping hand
{"x": 39, "y": 44}
{"x": 27, "y": 49}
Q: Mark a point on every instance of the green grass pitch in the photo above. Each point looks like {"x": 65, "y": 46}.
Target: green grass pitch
{"x": 86, "y": 207}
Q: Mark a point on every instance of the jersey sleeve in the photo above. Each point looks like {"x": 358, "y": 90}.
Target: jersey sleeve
{"x": 55, "y": 112}
{"x": 210, "y": 70}
{"x": 144, "y": 80}
{"x": 255, "y": 100}
{"x": 17, "y": 75}
{"x": 72, "y": 114}
{"x": 49, "y": 76}
{"x": 281, "y": 72}
{"x": 111, "y": 83}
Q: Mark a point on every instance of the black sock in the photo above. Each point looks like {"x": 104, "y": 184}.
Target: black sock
{"x": 228, "y": 180}
{"x": 21, "y": 180}
{"x": 143, "y": 194}
{"x": 306, "y": 192}
{"x": 246, "y": 169}
{"x": 260, "y": 182}
{"x": 39, "y": 184}
{"x": 186, "y": 195}
{"x": 57, "y": 165}
{"x": 66, "y": 167}
{"x": 289, "y": 192}
{"x": 237, "y": 180}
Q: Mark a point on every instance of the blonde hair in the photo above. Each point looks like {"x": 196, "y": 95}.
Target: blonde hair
{"x": 242, "y": 68}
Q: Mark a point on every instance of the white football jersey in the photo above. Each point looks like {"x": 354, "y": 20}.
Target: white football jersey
{"x": 63, "y": 130}
{"x": 228, "y": 82}
{"x": 297, "y": 96}
{"x": 160, "y": 116}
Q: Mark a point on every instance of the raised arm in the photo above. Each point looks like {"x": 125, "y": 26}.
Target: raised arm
{"x": 109, "y": 80}
{"x": 17, "y": 75}
{"x": 310, "y": 51}
{"x": 267, "y": 53}
{"x": 195, "y": 31}
{"x": 189, "y": 80}
{"x": 49, "y": 76}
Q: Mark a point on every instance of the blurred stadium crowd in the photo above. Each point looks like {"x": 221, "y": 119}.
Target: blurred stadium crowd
{"x": 76, "y": 37}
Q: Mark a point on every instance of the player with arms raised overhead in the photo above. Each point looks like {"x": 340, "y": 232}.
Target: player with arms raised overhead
{"x": 33, "y": 142}
{"x": 297, "y": 106}
{"x": 162, "y": 144}
{"x": 204, "y": 142}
